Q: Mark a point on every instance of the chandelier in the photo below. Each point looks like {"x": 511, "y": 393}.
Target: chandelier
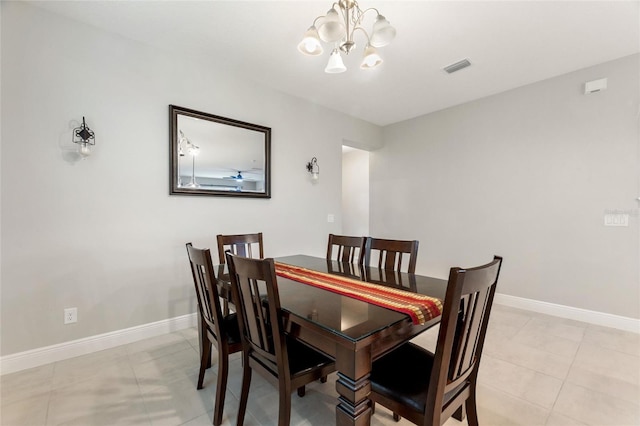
{"x": 339, "y": 26}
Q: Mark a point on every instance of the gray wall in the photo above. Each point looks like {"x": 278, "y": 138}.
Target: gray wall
{"x": 527, "y": 174}
{"x": 103, "y": 234}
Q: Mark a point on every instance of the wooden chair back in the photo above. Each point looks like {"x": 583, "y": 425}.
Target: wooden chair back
{"x": 206, "y": 289}
{"x": 463, "y": 328}
{"x": 391, "y": 253}
{"x": 258, "y": 316}
{"x": 347, "y": 249}
{"x": 245, "y": 245}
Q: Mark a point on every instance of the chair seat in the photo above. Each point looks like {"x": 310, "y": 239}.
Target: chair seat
{"x": 400, "y": 375}
{"x": 303, "y": 359}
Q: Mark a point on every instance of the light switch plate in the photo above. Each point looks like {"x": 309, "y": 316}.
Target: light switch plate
{"x": 616, "y": 219}
{"x": 331, "y": 218}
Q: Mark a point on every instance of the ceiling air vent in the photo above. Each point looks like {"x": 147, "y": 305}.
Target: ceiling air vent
{"x": 457, "y": 66}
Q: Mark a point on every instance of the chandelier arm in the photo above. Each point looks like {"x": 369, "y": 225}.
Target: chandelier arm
{"x": 364, "y": 31}
{"x": 338, "y": 8}
{"x": 316, "y": 20}
{"x": 371, "y": 8}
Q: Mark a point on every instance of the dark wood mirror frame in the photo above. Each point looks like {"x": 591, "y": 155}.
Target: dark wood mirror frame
{"x": 235, "y": 160}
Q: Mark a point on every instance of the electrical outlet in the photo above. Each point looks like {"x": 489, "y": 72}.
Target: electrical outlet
{"x": 70, "y": 315}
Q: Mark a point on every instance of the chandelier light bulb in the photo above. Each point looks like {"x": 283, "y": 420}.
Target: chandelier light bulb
{"x": 332, "y": 28}
{"x": 335, "y": 65}
{"x": 371, "y": 59}
{"x": 383, "y": 32}
{"x": 310, "y": 44}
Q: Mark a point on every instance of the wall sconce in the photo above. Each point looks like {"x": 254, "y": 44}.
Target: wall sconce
{"x": 314, "y": 169}
{"x": 85, "y": 137}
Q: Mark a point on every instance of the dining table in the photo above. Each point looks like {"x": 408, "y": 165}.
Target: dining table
{"x": 352, "y": 331}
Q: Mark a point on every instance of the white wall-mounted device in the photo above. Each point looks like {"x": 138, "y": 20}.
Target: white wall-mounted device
{"x": 595, "y": 86}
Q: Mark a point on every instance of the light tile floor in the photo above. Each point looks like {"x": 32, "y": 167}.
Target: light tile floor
{"x": 536, "y": 370}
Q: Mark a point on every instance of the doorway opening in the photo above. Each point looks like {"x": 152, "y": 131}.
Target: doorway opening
{"x": 355, "y": 191}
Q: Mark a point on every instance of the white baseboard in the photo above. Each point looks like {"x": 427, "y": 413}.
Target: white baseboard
{"x": 578, "y": 314}
{"x": 40, "y": 356}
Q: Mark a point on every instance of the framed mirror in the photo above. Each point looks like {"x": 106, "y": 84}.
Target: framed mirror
{"x": 213, "y": 155}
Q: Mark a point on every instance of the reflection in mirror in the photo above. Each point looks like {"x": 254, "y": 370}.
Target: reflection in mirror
{"x": 213, "y": 155}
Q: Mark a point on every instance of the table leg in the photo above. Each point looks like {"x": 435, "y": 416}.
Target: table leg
{"x": 354, "y": 387}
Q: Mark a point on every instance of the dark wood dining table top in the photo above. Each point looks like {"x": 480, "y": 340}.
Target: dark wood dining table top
{"x": 347, "y": 317}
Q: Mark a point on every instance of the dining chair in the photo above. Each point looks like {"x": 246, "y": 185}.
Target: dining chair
{"x": 223, "y": 331}
{"x": 285, "y": 362}
{"x": 427, "y": 388}
{"x": 390, "y": 254}
{"x": 346, "y": 248}
{"x": 242, "y": 245}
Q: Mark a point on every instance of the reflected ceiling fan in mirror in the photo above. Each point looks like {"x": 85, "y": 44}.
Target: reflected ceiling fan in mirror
{"x": 240, "y": 180}
{"x": 243, "y": 175}
{"x": 237, "y": 178}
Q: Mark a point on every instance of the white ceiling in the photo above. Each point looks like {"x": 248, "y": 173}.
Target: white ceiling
{"x": 509, "y": 44}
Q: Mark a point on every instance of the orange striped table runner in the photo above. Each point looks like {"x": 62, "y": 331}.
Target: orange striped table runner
{"x": 419, "y": 307}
